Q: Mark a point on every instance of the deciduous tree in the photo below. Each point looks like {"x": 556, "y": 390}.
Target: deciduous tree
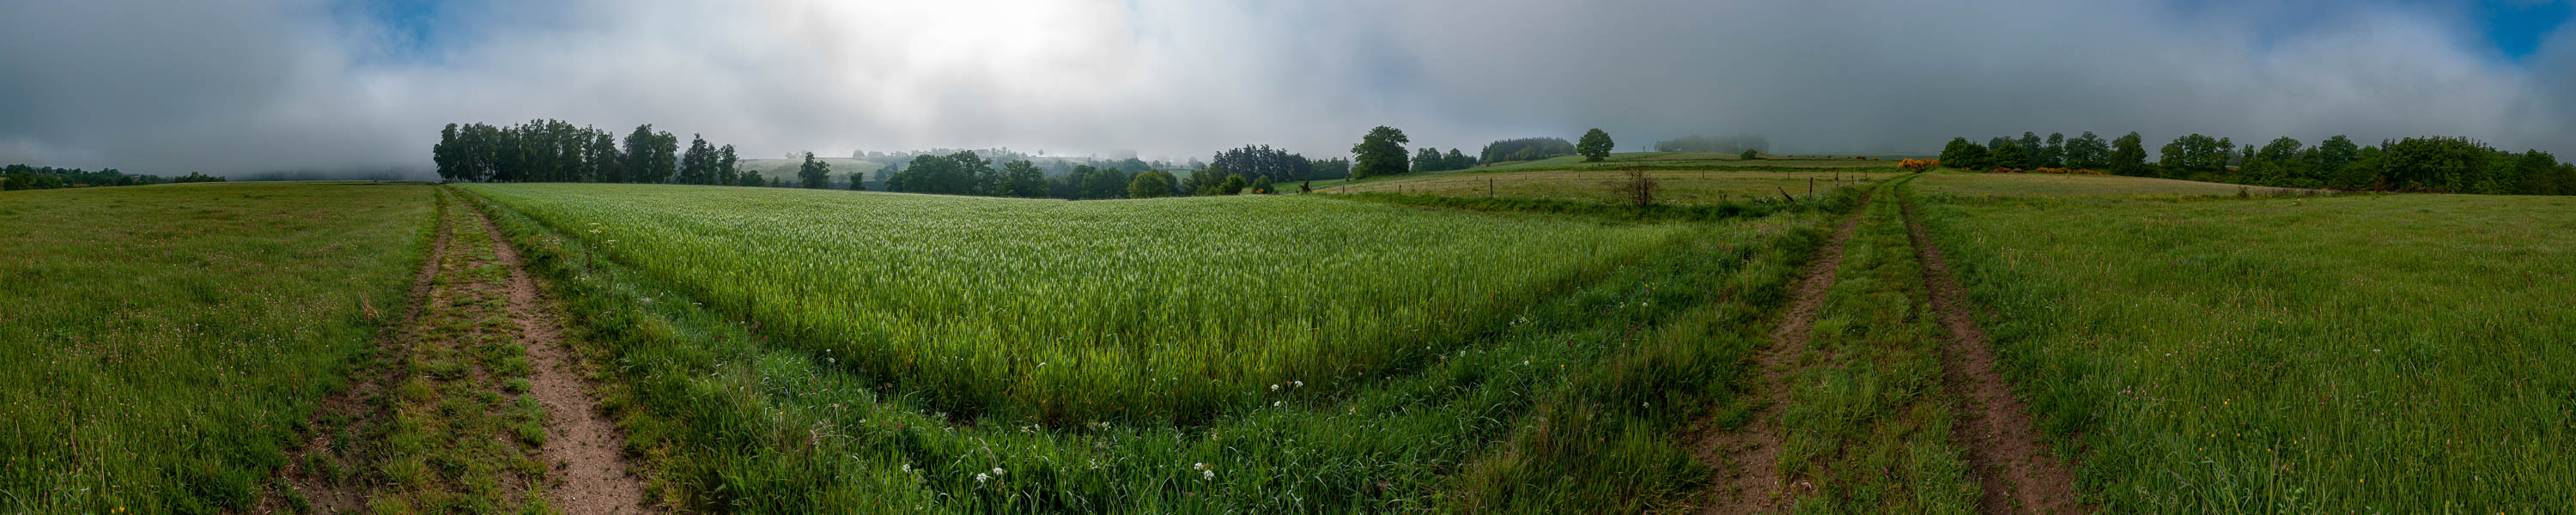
{"x": 1594, "y": 145}
{"x": 1379, "y": 153}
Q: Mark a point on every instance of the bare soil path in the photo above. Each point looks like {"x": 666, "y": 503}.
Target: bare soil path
{"x": 590, "y": 475}
{"x": 473, "y": 296}
{"x": 1751, "y": 453}
{"x": 2010, "y": 457}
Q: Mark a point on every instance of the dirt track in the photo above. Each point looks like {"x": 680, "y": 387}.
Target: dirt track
{"x": 586, "y": 470}
{"x": 342, "y": 494}
{"x": 2011, "y": 459}
{"x": 1750, "y": 453}
{"x": 590, "y": 476}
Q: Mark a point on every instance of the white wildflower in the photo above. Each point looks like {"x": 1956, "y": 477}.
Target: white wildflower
{"x": 981, "y": 477}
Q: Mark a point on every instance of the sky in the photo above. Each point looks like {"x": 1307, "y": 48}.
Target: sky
{"x": 363, "y": 86}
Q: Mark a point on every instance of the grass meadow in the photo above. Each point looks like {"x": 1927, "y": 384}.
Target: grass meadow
{"x": 1975, "y": 184}
{"x": 1564, "y": 399}
{"x": 165, "y": 343}
{"x": 1683, "y": 161}
{"x": 1678, "y": 187}
{"x": 794, "y": 351}
{"x": 1066, "y": 313}
{"x": 2364, "y": 354}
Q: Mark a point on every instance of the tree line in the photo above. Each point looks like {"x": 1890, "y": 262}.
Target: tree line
{"x": 22, "y": 177}
{"x": 1431, "y": 160}
{"x": 556, "y": 151}
{"x": 2421, "y": 164}
{"x": 1524, "y": 149}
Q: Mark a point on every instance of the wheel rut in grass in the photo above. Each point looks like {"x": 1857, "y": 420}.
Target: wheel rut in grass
{"x": 335, "y": 493}
{"x": 1751, "y": 453}
{"x": 2009, "y": 456}
{"x": 588, "y": 472}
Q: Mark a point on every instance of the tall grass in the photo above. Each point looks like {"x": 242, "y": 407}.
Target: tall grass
{"x": 164, "y": 343}
{"x": 2383, "y": 354}
{"x": 1065, "y": 313}
{"x": 747, "y": 421}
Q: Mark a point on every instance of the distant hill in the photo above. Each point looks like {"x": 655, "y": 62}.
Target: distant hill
{"x": 787, "y": 167}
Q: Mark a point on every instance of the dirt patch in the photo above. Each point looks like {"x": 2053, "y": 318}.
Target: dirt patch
{"x": 339, "y": 493}
{"x": 589, "y": 473}
{"x": 1746, "y": 458}
{"x": 2011, "y": 458}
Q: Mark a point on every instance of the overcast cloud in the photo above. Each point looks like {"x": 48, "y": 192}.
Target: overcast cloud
{"x": 220, "y": 86}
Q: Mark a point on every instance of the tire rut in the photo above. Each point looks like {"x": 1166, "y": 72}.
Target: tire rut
{"x": 1751, "y": 452}
{"x": 2011, "y": 459}
{"x": 589, "y": 472}
{"x": 339, "y": 495}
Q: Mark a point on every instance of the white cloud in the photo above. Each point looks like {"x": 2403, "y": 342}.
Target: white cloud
{"x": 301, "y": 85}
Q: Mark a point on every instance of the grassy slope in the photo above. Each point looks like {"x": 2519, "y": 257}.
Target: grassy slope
{"x": 1974, "y": 184}
{"x": 1687, "y": 188}
{"x": 165, "y": 341}
{"x": 744, "y": 420}
{"x": 2354, "y": 354}
{"x": 1667, "y": 160}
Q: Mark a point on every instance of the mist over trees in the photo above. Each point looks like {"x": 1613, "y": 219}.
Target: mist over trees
{"x": 2419, "y": 164}
{"x": 1723, "y": 145}
{"x": 1261, "y": 161}
{"x": 22, "y": 177}
{"x": 1524, "y": 149}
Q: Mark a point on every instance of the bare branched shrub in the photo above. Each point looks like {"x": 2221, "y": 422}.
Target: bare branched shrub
{"x": 1637, "y": 187}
